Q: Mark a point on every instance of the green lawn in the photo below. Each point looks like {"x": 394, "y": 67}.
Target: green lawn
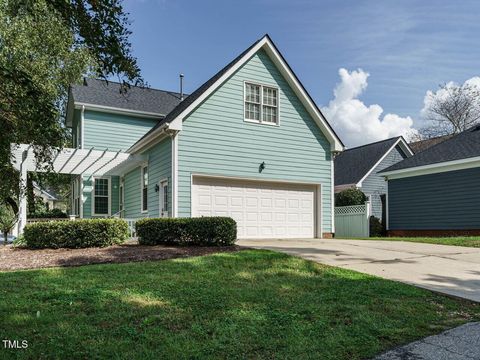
{"x": 249, "y": 304}
{"x": 468, "y": 241}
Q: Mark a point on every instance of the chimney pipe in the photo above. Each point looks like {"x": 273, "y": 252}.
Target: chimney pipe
{"x": 181, "y": 87}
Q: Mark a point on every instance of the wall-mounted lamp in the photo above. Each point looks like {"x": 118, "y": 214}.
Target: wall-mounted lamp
{"x": 157, "y": 188}
{"x": 262, "y": 167}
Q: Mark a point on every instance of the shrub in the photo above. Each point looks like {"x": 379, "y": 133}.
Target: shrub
{"x": 348, "y": 197}
{"x": 76, "y": 234}
{"x": 48, "y": 214}
{"x": 8, "y": 219}
{"x": 202, "y": 231}
{"x": 376, "y": 227}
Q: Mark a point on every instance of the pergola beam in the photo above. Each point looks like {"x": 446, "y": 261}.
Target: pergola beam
{"x": 69, "y": 161}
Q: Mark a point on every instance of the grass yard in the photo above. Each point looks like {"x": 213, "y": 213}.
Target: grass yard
{"x": 248, "y": 304}
{"x": 468, "y": 241}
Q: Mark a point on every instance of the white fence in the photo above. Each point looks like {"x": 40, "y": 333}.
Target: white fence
{"x": 352, "y": 221}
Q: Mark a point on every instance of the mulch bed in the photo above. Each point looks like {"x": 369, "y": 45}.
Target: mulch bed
{"x": 17, "y": 258}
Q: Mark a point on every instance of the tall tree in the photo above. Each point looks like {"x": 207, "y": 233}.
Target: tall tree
{"x": 452, "y": 109}
{"x": 45, "y": 45}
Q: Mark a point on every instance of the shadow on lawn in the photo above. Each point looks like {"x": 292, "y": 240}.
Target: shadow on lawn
{"x": 252, "y": 304}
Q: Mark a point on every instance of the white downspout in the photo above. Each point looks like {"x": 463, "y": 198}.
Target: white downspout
{"x": 175, "y": 174}
{"x": 82, "y": 145}
{"x": 82, "y": 126}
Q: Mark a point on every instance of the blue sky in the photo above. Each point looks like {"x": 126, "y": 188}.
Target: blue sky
{"x": 407, "y": 47}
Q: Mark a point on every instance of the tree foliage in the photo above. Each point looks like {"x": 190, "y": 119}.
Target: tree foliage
{"x": 348, "y": 197}
{"x": 45, "y": 45}
{"x": 8, "y": 218}
{"x": 452, "y": 109}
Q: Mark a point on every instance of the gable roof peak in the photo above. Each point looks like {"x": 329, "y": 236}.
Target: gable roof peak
{"x": 185, "y": 107}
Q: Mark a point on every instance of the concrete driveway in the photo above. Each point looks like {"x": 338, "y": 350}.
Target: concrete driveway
{"x": 451, "y": 270}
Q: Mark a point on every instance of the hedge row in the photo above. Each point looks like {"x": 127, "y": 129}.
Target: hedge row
{"x": 203, "y": 231}
{"x": 48, "y": 214}
{"x": 76, "y": 234}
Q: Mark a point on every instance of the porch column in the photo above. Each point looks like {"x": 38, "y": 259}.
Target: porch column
{"x": 22, "y": 200}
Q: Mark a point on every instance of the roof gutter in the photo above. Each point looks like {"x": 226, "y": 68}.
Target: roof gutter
{"x": 433, "y": 168}
{"x": 116, "y": 110}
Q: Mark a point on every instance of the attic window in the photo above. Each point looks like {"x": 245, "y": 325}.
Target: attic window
{"x": 261, "y": 103}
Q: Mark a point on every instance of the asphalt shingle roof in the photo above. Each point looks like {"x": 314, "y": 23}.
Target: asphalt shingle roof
{"x": 462, "y": 146}
{"x": 421, "y": 145}
{"x": 353, "y": 164}
{"x": 101, "y": 92}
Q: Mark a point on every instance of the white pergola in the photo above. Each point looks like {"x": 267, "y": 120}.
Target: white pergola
{"x": 69, "y": 161}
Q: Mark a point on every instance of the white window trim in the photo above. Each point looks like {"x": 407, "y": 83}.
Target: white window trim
{"x": 162, "y": 183}
{"x": 141, "y": 188}
{"x": 262, "y": 85}
{"x": 109, "y": 195}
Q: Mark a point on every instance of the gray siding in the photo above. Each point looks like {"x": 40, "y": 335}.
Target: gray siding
{"x": 375, "y": 185}
{"x": 441, "y": 201}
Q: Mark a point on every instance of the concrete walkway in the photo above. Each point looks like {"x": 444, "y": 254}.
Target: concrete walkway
{"x": 451, "y": 270}
{"x": 461, "y": 343}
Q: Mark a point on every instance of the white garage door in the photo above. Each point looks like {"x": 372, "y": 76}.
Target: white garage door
{"x": 261, "y": 209}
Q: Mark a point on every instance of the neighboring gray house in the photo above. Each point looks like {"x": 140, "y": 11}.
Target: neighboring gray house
{"x": 358, "y": 167}
{"x": 435, "y": 192}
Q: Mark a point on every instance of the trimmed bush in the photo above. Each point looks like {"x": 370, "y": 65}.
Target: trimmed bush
{"x": 76, "y": 234}
{"x": 202, "y": 231}
{"x": 376, "y": 227}
{"x": 349, "y": 197}
{"x": 48, "y": 214}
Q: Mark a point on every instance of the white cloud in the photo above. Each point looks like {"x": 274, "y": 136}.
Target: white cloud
{"x": 440, "y": 94}
{"x": 357, "y": 123}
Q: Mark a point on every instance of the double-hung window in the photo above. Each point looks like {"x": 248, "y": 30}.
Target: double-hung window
{"x": 261, "y": 103}
{"x": 144, "y": 188}
{"x": 101, "y": 196}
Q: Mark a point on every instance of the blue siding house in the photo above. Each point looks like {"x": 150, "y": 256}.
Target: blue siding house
{"x": 434, "y": 193}
{"x": 359, "y": 167}
{"x": 249, "y": 143}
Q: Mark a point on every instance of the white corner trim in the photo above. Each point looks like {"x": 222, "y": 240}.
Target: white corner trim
{"x": 116, "y": 110}
{"x": 175, "y": 175}
{"x": 386, "y": 210}
{"x": 446, "y": 166}
{"x": 332, "y": 195}
{"x": 399, "y": 141}
{"x": 82, "y": 128}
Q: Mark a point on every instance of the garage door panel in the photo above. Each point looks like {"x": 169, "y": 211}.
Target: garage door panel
{"x": 261, "y": 209}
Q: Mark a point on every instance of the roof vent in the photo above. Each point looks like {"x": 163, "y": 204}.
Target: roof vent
{"x": 181, "y": 87}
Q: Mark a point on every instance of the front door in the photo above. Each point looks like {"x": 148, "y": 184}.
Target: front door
{"x": 163, "y": 199}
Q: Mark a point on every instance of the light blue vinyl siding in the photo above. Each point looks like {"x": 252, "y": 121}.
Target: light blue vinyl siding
{"x": 443, "y": 201}
{"x": 159, "y": 168}
{"x": 113, "y": 131}
{"x": 216, "y": 140}
{"x": 375, "y": 185}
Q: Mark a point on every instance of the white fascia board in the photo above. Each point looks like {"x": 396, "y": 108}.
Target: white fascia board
{"x": 404, "y": 147}
{"x": 151, "y": 139}
{"x": 446, "y": 166}
{"x": 115, "y": 110}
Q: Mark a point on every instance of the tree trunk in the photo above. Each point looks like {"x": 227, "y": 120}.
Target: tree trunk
{"x": 5, "y": 238}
